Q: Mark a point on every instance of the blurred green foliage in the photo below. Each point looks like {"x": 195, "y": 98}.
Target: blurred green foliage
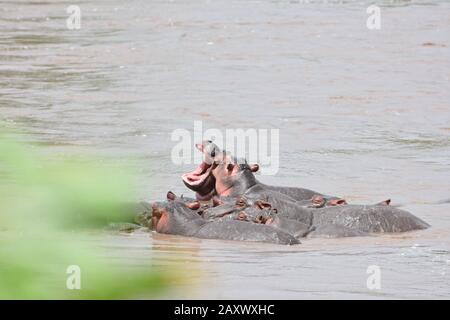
{"x": 45, "y": 206}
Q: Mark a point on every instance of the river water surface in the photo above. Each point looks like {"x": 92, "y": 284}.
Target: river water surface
{"x": 364, "y": 114}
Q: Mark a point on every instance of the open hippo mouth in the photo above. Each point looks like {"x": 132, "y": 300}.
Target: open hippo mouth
{"x": 201, "y": 181}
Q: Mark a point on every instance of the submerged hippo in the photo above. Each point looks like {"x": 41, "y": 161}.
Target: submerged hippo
{"x": 176, "y": 216}
{"x": 233, "y": 178}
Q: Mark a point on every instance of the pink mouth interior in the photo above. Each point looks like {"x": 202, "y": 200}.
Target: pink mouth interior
{"x": 197, "y": 176}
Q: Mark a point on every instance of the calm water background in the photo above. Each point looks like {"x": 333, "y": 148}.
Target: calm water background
{"x": 362, "y": 114}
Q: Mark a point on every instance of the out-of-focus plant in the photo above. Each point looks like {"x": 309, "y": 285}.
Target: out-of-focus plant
{"x": 44, "y": 204}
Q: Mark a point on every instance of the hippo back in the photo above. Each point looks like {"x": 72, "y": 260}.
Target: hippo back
{"x": 376, "y": 219}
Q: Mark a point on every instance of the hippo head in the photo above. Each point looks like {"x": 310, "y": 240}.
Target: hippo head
{"x": 176, "y": 215}
{"x": 240, "y": 208}
{"x": 219, "y": 173}
{"x": 232, "y": 176}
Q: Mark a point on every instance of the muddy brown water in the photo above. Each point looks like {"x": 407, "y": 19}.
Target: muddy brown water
{"x": 362, "y": 113}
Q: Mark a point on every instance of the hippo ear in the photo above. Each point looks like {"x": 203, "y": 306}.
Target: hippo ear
{"x": 254, "y": 167}
{"x": 193, "y": 205}
{"x": 318, "y": 201}
{"x": 171, "y": 195}
{"x": 384, "y": 203}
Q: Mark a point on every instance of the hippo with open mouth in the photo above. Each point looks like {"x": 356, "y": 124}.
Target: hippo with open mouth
{"x": 203, "y": 181}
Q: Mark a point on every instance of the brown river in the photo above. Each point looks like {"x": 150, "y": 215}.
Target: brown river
{"x": 364, "y": 114}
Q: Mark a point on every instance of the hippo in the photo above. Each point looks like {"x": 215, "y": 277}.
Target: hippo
{"x": 202, "y": 181}
{"x": 175, "y": 216}
{"x": 235, "y": 178}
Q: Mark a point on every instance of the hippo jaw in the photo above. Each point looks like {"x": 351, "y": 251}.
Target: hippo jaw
{"x": 201, "y": 181}
{"x": 219, "y": 173}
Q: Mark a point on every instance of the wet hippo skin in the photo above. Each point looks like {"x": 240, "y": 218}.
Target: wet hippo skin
{"x": 368, "y": 218}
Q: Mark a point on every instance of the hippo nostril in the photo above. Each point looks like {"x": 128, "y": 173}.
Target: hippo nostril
{"x": 241, "y": 202}
{"x": 317, "y": 202}
{"x": 263, "y": 204}
{"x": 317, "y": 198}
{"x": 260, "y": 219}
